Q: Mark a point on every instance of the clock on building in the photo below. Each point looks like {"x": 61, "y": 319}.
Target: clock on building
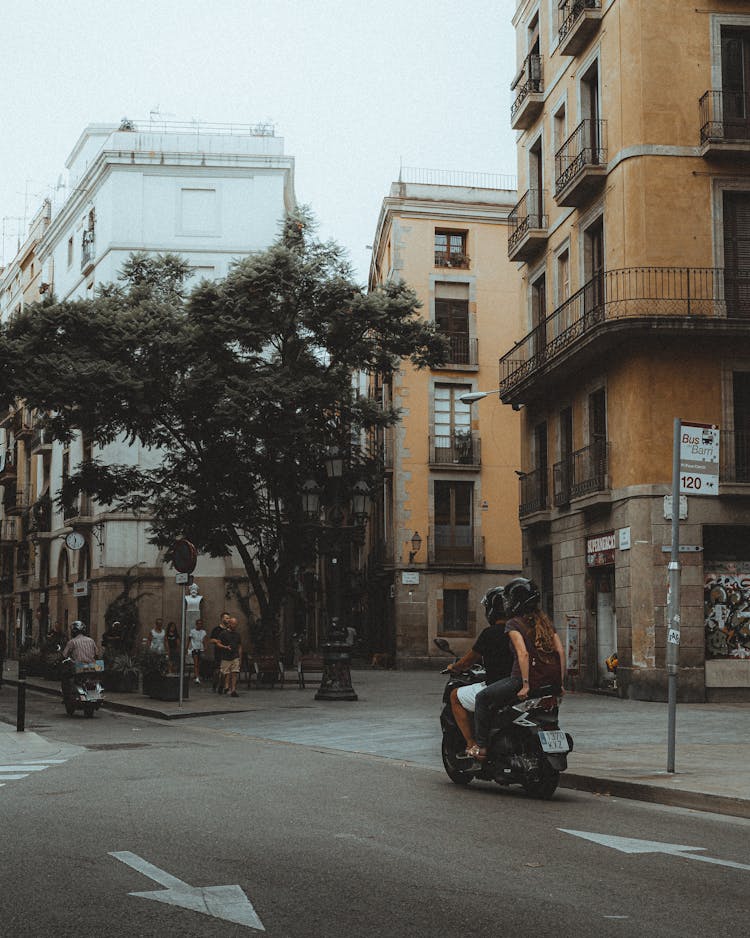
{"x": 75, "y": 540}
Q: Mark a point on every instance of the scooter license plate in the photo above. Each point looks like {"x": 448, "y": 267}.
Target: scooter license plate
{"x": 553, "y": 741}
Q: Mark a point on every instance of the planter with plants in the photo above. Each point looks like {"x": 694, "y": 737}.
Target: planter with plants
{"x": 121, "y": 674}
{"x": 157, "y": 683}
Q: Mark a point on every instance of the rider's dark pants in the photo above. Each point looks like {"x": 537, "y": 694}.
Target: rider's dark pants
{"x": 490, "y": 699}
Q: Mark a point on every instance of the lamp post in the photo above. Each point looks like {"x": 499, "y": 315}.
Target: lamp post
{"x": 337, "y": 532}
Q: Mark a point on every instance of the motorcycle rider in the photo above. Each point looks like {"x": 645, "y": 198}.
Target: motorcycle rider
{"x": 81, "y": 649}
{"x": 535, "y": 632}
{"x": 492, "y": 647}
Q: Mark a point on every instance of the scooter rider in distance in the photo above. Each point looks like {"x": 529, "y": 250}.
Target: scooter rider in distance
{"x": 492, "y": 648}
{"x": 80, "y": 649}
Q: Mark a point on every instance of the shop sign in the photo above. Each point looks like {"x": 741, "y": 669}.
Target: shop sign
{"x": 81, "y": 588}
{"x": 571, "y": 657}
{"x": 410, "y": 577}
{"x": 600, "y": 550}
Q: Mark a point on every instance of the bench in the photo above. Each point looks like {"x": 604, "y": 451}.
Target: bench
{"x": 308, "y": 664}
{"x": 268, "y": 671}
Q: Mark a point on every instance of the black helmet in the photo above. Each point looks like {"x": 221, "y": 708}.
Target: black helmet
{"x": 494, "y": 604}
{"x": 77, "y": 628}
{"x": 521, "y": 595}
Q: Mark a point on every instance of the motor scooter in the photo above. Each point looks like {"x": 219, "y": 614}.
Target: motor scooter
{"x": 526, "y": 745}
{"x": 81, "y": 687}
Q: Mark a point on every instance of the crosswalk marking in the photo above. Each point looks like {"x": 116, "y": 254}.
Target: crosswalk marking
{"x": 13, "y": 772}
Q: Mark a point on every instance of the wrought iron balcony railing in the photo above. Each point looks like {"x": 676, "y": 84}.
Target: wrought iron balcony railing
{"x": 458, "y": 449}
{"x": 725, "y": 118}
{"x": 455, "y": 544}
{"x": 692, "y": 292}
{"x": 8, "y": 530}
{"x": 585, "y": 147}
{"x": 87, "y": 249}
{"x": 41, "y": 439}
{"x": 582, "y": 472}
{"x": 529, "y": 80}
{"x": 734, "y": 463}
{"x": 526, "y": 216}
{"x": 452, "y": 259}
{"x": 571, "y": 22}
{"x": 533, "y": 491}
{"x": 463, "y": 350}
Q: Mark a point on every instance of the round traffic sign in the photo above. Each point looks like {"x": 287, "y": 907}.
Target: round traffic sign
{"x": 184, "y": 556}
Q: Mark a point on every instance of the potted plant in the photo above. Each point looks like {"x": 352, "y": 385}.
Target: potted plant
{"x": 121, "y": 673}
{"x": 157, "y": 683}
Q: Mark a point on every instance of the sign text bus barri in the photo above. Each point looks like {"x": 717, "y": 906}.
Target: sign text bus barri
{"x": 699, "y": 459}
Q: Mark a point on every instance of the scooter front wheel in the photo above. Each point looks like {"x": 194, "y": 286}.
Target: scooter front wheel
{"x": 88, "y": 710}
{"x": 454, "y": 767}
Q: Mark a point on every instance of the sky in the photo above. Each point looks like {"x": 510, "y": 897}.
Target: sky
{"x": 356, "y": 89}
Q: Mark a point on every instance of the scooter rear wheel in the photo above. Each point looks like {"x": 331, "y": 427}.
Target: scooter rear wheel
{"x": 88, "y": 710}
{"x": 70, "y": 709}
{"x": 454, "y": 768}
{"x": 545, "y": 786}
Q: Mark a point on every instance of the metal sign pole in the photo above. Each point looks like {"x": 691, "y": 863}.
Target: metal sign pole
{"x": 673, "y": 600}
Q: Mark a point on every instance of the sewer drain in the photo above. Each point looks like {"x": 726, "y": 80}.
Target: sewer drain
{"x": 100, "y": 746}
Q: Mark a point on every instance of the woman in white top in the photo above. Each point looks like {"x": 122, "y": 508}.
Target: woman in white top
{"x": 157, "y": 638}
{"x": 197, "y": 637}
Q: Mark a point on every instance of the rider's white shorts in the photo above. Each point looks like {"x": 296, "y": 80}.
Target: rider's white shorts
{"x": 467, "y": 695}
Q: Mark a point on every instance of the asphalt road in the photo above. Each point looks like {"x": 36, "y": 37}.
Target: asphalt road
{"x": 332, "y": 843}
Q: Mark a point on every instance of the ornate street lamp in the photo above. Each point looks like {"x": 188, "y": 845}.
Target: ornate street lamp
{"x": 416, "y": 543}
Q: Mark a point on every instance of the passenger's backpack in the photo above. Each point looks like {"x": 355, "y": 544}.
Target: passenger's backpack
{"x": 544, "y": 669}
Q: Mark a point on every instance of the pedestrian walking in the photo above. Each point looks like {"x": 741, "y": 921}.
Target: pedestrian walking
{"x": 215, "y": 640}
{"x": 197, "y": 639}
{"x": 231, "y": 645}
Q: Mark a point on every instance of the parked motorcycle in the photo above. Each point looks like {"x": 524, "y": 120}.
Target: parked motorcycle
{"x": 81, "y": 687}
{"x": 526, "y": 745}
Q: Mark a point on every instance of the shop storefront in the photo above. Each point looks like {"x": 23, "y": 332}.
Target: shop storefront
{"x": 602, "y": 619}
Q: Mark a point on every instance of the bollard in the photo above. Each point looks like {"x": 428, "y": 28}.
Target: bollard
{"x": 21, "y": 704}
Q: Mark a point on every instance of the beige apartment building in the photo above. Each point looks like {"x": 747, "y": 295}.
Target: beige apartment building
{"x": 633, "y": 238}
{"x": 446, "y": 528}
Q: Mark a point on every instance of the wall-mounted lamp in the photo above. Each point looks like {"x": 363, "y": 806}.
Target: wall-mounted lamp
{"x": 416, "y": 543}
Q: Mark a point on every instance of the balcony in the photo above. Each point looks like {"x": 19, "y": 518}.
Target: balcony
{"x": 452, "y": 259}
{"x": 7, "y": 532}
{"x": 17, "y": 502}
{"x": 455, "y": 545}
{"x": 734, "y": 462}
{"x": 533, "y": 492}
{"x": 528, "y": 226}
{"x": 41, "y": 441}
{"x": 87, "y": 251}
{"x": 81, "y": 511}
{"x": 725, "y": 123}
{"x": 463, "y": 353}
{"x": 23, "y": 427}
{"x": 7, "y": 468}
{"x": 528, "y": 86}
{"x": 581, "y": 164}
{"x": 456, "y": 451}
{"x": 582, "y": 473}
{"x": 578, "y": 24}
{"x": 648, "y": 302}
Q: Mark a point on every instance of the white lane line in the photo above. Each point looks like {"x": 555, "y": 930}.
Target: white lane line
{"x": 13, "y": 778}
{"x": 24, "y": 767}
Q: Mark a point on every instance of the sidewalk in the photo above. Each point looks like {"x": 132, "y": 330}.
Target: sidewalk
{"x": 620, "y": 745}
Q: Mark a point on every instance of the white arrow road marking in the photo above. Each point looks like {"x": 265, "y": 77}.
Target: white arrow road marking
{"x": 13, "y": 776}
{"x": 26, "y": 767}
{"x": 226, "y": 902}
{"x": 631, "y": 845}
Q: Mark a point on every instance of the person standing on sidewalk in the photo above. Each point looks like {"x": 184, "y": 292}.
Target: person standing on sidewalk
{"x": 197, "y": 638}
{"x": 231, "y": 646}
{"x": 215, "y": 640}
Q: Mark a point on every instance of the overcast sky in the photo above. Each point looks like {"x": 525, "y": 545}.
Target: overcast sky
{"x": 355, "y": 88}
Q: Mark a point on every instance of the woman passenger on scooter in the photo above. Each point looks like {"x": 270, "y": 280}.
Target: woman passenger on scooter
{"x": 531, "y": 634}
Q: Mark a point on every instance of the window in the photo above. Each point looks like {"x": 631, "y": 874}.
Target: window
{"x": 735, "y": 81}
{"x": 539, "y": 314}
{"x": 452, "y": 425}
{"x": 536, "y": 186}
{"x": 593, "y": 259}
{"x": 452, "y": 319}
{"x": 741, "y": 410}
{"x": 559, "y": 129}
{"x": 454, "y": 529}
{"x": 198, "y": 212}
{"x": 70, "y": 251}
{"x": 563, "y": 277}
{"x": 450, "y": 248}
{"x": 737, "y": 254}
{"x": 455, "y": 611}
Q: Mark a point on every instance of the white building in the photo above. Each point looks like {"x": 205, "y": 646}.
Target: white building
{"x": 211, "y": 193}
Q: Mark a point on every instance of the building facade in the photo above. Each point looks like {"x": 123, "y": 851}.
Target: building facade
{"x": 632, "y": 238}
{"x": 446, "y": 526}
{"x": 211, "y": 193}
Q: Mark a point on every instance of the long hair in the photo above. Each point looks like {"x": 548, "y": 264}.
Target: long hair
{"x": 542, "y": 630}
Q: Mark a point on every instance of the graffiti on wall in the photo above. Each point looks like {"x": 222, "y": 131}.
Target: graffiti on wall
{"x": 726, "y": 600}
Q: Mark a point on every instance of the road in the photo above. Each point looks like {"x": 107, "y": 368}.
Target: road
{"x": 326, "y": 842}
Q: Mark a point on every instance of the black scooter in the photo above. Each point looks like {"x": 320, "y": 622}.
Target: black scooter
{"x": 526, "y": 745}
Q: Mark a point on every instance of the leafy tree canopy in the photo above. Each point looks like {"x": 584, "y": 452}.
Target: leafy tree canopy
{"x": 237, "y": 390}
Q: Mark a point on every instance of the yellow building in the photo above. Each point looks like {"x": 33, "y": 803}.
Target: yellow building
{"x": 633, "y": 125}
{"x": 447, "y": 527}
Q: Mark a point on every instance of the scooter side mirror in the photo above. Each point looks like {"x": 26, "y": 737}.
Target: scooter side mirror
{"x": 443, "y": 645}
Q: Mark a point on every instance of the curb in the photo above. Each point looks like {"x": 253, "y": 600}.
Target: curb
{"x": 655, "y": 794}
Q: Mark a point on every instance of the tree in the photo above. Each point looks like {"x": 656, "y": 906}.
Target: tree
{"x": 238, "y": 390}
